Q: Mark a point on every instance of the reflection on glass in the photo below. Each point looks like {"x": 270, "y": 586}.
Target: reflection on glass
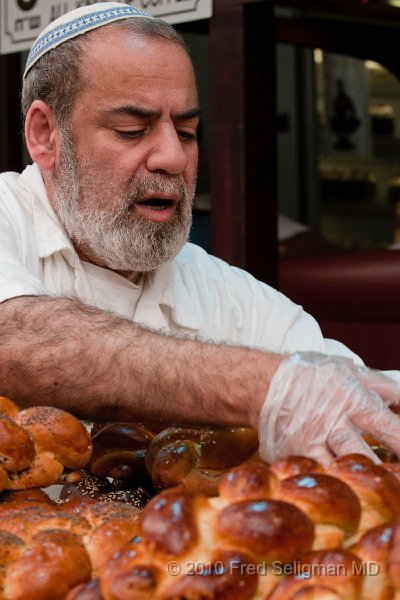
{"x": 358, "y": 106}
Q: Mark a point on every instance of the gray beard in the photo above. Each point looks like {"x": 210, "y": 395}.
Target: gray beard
{"x": 113, "y": 237}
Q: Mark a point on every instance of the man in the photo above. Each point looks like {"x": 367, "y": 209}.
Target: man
{"x": 95, "y": 271}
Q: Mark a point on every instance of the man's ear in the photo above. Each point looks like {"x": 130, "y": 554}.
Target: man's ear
{"x": 42, "y": 135}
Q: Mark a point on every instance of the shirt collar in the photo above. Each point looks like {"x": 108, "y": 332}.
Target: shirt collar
{"x": 50, "y": 235}
{"x": 166, "y": 284}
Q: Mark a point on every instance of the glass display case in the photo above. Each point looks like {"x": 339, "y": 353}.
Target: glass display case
{"x": 358, "y": 110}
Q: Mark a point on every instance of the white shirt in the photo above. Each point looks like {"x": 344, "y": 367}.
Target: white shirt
{"x": 196, "y": 294}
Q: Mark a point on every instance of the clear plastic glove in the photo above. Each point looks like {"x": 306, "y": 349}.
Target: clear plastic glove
{"x": 319, "y": 405}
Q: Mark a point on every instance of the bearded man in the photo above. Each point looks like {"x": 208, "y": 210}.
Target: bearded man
{"x": 105, "y": 309}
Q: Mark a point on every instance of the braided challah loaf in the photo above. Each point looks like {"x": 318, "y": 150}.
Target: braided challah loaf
{"x": 52, "y": 563}
{"x": 40, "y": 446}
{"x": 377, "y": 489}
{"x": 265, "y": 536}
{"x": 328, "y": 502}
{"x": 47, "y": 549}
{"x": 206, "y": 544}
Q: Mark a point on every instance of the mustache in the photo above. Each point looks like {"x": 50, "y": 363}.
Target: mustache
{"x": 154, "y": 185}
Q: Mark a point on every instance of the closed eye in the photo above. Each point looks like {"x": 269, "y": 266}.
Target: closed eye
{"x": 187, "y": 136}
{"x": 130, "y": 135}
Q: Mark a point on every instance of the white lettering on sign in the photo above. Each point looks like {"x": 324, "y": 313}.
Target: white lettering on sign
{"x": 22, "y": 20}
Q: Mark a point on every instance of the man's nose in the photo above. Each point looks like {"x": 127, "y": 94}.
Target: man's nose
{"x": 167, "y": 153}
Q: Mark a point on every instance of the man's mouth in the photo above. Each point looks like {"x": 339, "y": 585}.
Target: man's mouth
{"x": 157, "y": 204}
{"x": 156, "y": 208}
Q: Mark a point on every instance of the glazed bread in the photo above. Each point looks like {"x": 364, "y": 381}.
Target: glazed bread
{"x": 17, "y": 450}
{"x": 179, "y": 528}
{"x": 224, "y": 526}
{"x": 52, "y": 563}
{"x": 295, "y": 465}
{"x": 194, "y": 457}
{"x": 329, "y": 502}
{"x": 8, "y": 407}
{"x": 46, "y": 549}
{"x": 119, "y": 450}
{"x": 111, "y": 526}
{"x": 377, "y": 489}
{"x": 40, "y": 446}
{"x": 198, "y": 457}
{"x": 266, "y": 536}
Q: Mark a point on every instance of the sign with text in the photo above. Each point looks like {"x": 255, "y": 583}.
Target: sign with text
{"x": 22, "y": 20}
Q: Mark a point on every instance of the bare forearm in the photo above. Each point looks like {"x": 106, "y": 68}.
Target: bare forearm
{"x": 60, "y": 352}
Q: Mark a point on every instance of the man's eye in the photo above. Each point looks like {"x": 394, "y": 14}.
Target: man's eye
{"x": 130, "y": 135}
{"x": 187, "y": 136}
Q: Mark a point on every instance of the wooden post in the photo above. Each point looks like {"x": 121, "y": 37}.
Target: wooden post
{"x": 243, "y": 138}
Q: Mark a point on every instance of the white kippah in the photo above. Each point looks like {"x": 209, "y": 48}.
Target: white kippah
{"x": 79, "y": 21}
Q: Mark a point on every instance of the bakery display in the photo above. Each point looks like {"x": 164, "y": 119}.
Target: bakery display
{"x": 187, "y": 513}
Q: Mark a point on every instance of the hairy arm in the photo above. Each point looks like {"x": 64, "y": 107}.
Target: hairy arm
{"x": 61, "y": 352}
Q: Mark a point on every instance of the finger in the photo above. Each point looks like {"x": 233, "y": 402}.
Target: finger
{"x": 380, "y": 422}
{"x": 321, "y": 454}
{"x": 344, "y": 439}
{"x": 387, "y": 388}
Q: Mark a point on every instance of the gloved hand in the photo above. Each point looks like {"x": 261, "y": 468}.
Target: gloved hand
{"x": 319, "y": 405}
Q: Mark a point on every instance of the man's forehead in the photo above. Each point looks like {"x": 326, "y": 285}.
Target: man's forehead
{"x": 126, "y": 55}
{"x": 114, "y": 34}
{"x": 124, "y": 79}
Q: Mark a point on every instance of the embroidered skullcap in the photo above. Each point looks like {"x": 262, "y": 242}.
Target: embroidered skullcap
{"x": 79, "y": 21}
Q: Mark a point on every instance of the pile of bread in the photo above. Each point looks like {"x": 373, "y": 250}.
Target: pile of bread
{"x": 47, "y": 548}
{"x": 291, "y": 530}
{"x": 40, "y": 445}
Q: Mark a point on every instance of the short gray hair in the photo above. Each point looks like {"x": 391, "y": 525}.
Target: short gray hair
{"x": 56, "y": 78}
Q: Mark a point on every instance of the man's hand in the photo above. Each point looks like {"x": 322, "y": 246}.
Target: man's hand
{"x": 319, "y": 406}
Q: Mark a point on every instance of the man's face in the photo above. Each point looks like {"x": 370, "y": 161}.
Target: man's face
{"x": 125, "y": 179}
